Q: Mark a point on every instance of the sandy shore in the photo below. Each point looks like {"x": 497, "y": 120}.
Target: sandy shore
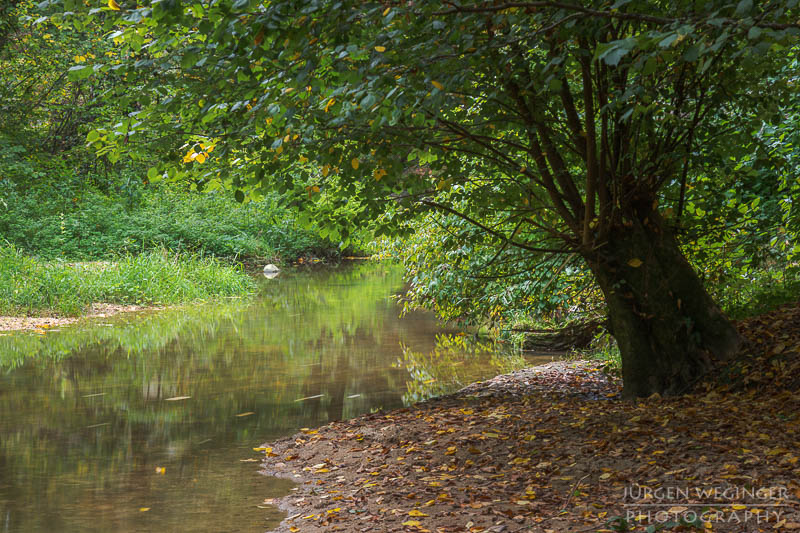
{"x": 98, "y": 310}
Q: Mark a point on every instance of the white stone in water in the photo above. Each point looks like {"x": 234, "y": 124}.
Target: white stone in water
{"x": 270, "y": 269}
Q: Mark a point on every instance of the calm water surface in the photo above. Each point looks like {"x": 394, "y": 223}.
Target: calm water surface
{"x": 148, "y": 423}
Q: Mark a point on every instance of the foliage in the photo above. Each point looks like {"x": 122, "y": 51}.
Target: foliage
{"x": 29, "y": 286}
{"x": 761, "y": 291}
{"x": 455, "y": 270}
{"x": 61, "y": 201}
{"x": 51, "y": 211}
{"x": 605, "y": 350}
{"x": 555, "y": 128}
{"x": 320, "y": 104}
{"x": 41, "y": 105}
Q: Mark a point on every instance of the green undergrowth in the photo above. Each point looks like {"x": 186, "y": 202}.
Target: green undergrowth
{"x": 93, "y": 225}
{"x": 68, "y": 208}
{"x": 761, "y": 291}
{"x": 604, "y": 350}
{"x": 33, "y": 286}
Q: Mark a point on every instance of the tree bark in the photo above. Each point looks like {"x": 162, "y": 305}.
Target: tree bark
{"x": 668, "y": 329}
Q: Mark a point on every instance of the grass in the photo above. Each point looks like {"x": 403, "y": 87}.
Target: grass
{"x": 30, "y": 286}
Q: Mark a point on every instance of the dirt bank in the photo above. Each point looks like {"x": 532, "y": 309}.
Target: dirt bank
{"x": 99, "y": 310}
{"x": 553, "y": 449}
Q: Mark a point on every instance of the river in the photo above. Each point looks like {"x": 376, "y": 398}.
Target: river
{"x": 148, "y": 422}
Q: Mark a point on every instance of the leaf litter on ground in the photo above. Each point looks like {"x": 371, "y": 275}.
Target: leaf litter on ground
{"x": 553, "y": 449}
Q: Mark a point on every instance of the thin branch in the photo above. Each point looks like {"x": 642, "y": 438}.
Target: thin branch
{"x": 474, "y": 222}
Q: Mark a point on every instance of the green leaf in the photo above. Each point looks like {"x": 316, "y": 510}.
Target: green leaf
{"x": 79, "y": 72}
{"x": 754, "y": 33}
{"x": 667, "y": 41}
{"x": 189, "y": 59}
{"x": 744, "y": 7}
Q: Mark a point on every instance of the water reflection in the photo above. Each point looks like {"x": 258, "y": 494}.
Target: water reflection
{"x": 90, "y": 416}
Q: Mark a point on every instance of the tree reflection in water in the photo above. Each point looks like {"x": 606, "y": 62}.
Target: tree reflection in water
{"x": 86, "y": 416}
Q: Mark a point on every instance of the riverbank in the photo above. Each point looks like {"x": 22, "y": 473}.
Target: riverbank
{"x": 554, "y": 449}
{"x": 45, "y": 323}
{"x": 34, "y": 289}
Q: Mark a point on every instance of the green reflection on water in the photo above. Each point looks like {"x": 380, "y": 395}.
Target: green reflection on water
{"x": 87, "y": 416}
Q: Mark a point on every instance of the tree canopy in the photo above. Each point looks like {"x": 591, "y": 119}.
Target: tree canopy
{"x": 568, "y": 128}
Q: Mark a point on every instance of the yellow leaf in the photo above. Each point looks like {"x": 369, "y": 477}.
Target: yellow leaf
{"x": 201, "y": 158}
{"x": 329, "y": 104}
{"x": 325, "y": 170}
{"x": 386, "y": 11}
{"x": 438, "y": 85}
{"x": 415, "y": 512}
{"x": 380, "y": 48}
{"x": 354, "y": 162}
{"x": 279, "y": 149}
{"x": 635, "y": 262}
{"x": 315, "y": 189}
{"x": 113, "y": 5}
{"x": 141, "y": 509}
{"x": 412, "y": 523}
{"x": 161, "y": 470}
{"x": 738, "y": 507}
{"x": 303, "y": 159}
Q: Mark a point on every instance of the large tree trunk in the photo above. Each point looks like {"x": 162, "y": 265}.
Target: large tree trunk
{"x": 668, "y": 328}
